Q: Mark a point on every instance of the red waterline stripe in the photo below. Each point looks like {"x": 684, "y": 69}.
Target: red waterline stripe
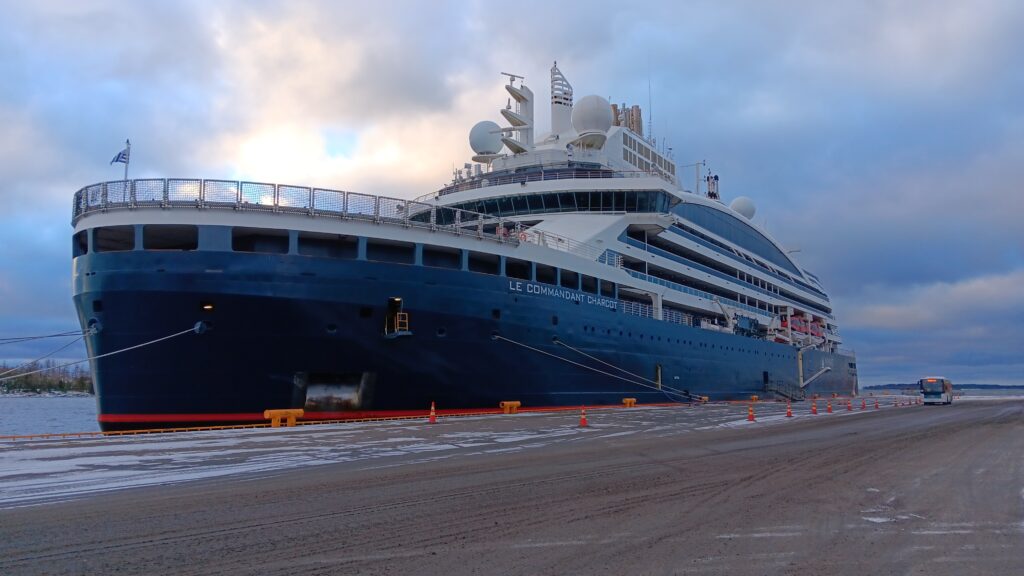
{"x": 258, "y": 416}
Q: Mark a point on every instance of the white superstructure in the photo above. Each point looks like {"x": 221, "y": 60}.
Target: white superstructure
{"x": 596, "y": 190}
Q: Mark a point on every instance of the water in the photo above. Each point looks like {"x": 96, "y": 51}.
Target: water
{"x": 47, "y": 414}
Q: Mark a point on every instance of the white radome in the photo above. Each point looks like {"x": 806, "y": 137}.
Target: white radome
{"x": 591, "y": 114}
{"x": 744, "y": 206}
{"x": 484, "y": 138}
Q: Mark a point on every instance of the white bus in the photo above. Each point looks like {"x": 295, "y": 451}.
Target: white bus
{"x": 936, "y": 390}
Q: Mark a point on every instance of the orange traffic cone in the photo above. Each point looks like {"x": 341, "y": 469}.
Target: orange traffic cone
{"x": 876, "y": 403}
{"x": 789, "y": 410}
{"x": 583, "y": 417}
{"x": 433, "y": 415}
{"x": 750, "y": 413}
{"x": 814, "y": 406}
{"x": 863, "y": 404}
{"x": 849, "y": 405}
{"x": 829, "y": 407}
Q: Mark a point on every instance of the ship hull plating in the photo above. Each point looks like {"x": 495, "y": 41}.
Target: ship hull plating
{"x": 289, "y": 331}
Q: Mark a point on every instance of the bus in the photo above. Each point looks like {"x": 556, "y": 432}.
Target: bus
{"x": 936, "y": 390}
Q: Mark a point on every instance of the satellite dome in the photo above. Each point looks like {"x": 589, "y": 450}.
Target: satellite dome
{"x": 744, "y": 206}
{"x": 592, "y": 114}
{"x": 484, "y": 138}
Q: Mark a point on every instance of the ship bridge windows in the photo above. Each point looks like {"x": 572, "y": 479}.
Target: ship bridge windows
{"x": 264, "y": 240}
{"x": 584, "y": 201}
{"x": 589, "y": 284}
{"x": 80, "y": 244}
{"x": 328, "y": 245}
{"x": 170, "y": 237}
{"x": 390, "y": 251}
{"x": 113, "y": 238}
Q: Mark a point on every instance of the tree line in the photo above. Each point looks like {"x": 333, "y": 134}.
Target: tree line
{"x": 53, "y": 378}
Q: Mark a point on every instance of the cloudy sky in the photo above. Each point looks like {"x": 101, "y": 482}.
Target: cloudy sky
{"x": 883, "y": 140}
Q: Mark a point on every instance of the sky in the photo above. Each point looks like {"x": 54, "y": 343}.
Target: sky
{"x": 883, "y": 142}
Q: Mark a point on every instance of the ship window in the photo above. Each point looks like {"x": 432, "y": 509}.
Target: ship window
{"x": 607, "y": 289}
{"x": 505, "y": 206}
{"x": 170, "y": 237}
{"x": 80, "y": 243}
{"x": 395, "y": 252}
{"x": 546, "y": 274}
{"x": 328, "y": 245}
{"x": 440, "y": 257}
{"x": 517, "y": 269}
{"x": 567, "y": 201}
{"x": 589, "y": 284}
{"x": 264, "y": 240}
{"x": 535, "y": 202}
{"x": 583, "y": 201}
{"x": 630, "y": 204}
{"x": 114, "y": 238}
{"x": 520, "y": 204}
{"x": 570, "y": 279}
{"x": 485, "y": 263}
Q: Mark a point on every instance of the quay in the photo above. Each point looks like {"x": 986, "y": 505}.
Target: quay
{"x": 666, "y": 490}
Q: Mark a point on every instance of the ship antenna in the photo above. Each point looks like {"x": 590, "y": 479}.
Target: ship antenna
{"x": 650, "y": 103}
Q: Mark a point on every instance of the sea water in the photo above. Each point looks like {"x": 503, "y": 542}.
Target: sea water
{"x": 47, "y": 414}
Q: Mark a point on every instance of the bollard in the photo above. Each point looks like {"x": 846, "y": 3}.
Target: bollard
{"x": 789, "y": 410}
{"x": 433, "y": 415}
{"x": 750, "y": 413}
{"x": 583, "y": 417}
{"x": 814, "y": 406}
{"x": 829, "y": 407}
{"x": 876, "y": 403}
{"x": 863, "y": 404}
{"x": 849, "y": 405}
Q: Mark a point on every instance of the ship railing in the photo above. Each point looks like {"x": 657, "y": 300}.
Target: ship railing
{"x": 195, "y": 193}
{"x": 280, "y": 198}
{"x": 694, "y": 292}
{"x": 484, "y": 181}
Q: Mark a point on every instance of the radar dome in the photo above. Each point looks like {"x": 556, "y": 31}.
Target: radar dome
{"x": 484, "y": 138}
{"x": 592, "y": 114}
{"x": 744, "y": 206}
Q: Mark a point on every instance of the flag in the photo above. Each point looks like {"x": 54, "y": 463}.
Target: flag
{"x": 122, "y": 156}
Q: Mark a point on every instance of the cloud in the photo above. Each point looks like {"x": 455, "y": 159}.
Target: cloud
{"x": 883, "y": 140}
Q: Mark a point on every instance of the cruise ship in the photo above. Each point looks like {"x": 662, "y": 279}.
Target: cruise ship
{"x": 566, "y": 267}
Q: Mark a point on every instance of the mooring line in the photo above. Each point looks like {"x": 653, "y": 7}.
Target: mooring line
{"x": 198, "y": 328}
{"x": 30, "y": 362}
{"x": 591, "y": 368}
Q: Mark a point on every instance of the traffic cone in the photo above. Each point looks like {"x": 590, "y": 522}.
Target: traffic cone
{"x": 433, "y": 415}
{"x": 863, "y": 404}
{"x": 750, "y": 413}
{"x": 814, "y": 406}
{"x": 849, "y": 405}
{"x": 583, "y": 417}
{"x": 829, "y": 407}
{"x": 876, "y": 403}
{"x": 789, "y": 410}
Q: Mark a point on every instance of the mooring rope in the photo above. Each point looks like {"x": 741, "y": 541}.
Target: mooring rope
{"x": 659, "y": 386}
{"x": 197, "y": 328}
{"x": 19, "y": 339}
{"x": 591, "y": 368}
{"x": 30, "y": 362}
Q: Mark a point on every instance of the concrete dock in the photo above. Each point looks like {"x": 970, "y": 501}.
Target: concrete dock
{"x": 909, "y": 490}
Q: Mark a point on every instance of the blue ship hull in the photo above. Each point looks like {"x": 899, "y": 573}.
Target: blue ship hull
{"x": 288, "y": 331}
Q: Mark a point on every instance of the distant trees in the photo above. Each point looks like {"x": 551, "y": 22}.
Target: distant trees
{"x": 75, "y": 378}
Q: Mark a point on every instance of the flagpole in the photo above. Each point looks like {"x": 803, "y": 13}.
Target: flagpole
{"x": 128, "y": 145}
